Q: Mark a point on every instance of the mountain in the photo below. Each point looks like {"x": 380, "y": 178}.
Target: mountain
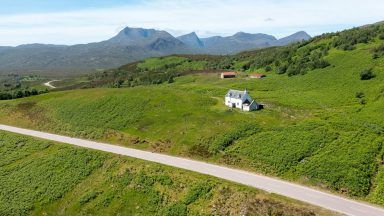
{"x": 191, "y": 40}
{"x": 239, "y": 42}
{"x": 3, "y": 48}
{"x": 129, "y": 45}
{"x": 297, "y": 37}
{"x": 147, "y": 38}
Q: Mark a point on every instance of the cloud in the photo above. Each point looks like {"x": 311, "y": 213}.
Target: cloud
{"x": 182, "y": 16}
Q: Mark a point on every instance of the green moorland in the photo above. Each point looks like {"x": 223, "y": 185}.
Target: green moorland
{"x": 322, "y": 124}
{"x": 44, "y": 178}
{"x": 14, "y": 86}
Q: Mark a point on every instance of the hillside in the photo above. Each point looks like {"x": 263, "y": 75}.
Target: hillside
{"x": 322, "y": 124}
{"x": 129, "y": 45}
{"x": 45, "y": 178}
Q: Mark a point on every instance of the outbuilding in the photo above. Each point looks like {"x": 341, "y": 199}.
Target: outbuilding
{"x": 225, "y": 75}
{"x": 257, "y": 76}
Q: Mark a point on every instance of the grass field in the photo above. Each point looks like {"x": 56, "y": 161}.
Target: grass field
{"x": 45, "y": 178}
{"x": 324, "y": 128}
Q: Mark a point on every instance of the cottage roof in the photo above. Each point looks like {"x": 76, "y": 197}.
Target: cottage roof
{"x": 236, "y": 94}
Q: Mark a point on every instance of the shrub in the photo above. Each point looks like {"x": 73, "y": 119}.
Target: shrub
{"x": 282, "y": 69}
{"x": 89, "y": 197}
{"x": 378, "y": 52}
{"x": 367, "y": 74}
{"x": 221, "y": 142}
{"x": 177, "y": 209}
{"x": 268, "y": 68}
{"x": 171, "y": 80}
{"x": 197, "y": 191}
{"x": 360, "y": 94}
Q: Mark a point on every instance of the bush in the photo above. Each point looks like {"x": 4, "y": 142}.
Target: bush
{"x": 20, "y": 93}
{"x": 282, "y": 69}
{"x": 177, "y": 209}
{"x": 377, "y": 52}
{"x": 221, "y": 142}
{"x": 197, "y": 191}
{"x": 89, "y": 197}
{"x": 360, "y": 94}
{"x": 367, "y": 74}
{"x": 268, "y": 68}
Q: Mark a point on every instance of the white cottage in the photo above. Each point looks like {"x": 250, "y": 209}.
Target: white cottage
{"x": 241, "y": 100}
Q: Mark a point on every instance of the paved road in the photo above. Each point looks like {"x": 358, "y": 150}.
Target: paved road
{"x": 48, "y": 84}
{"x": 295, "y": 191}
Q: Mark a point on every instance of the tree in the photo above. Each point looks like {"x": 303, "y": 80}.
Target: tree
{"x": 19, "y": 94}
{"x": 282, "y": 69}
{"x": 171, "y": 80}
{"x": 34, "y": 92}
{"x": 367, "y": 74}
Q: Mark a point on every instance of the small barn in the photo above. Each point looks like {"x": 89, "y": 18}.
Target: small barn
{"x": 241, "y": 100}
{"x": 226, "y": 75}
{"x": 257, "y": 76}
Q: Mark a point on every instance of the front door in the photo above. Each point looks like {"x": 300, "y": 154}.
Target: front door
{"x": 233, "y": 105}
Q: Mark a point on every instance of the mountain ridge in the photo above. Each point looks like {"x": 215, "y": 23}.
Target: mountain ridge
{"x": 129, "y": 45}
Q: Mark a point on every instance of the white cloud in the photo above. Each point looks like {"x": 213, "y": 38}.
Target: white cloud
{"x": 278, "y": 17}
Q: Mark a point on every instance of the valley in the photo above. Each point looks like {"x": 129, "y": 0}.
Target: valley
{"x": 321, "y": 125}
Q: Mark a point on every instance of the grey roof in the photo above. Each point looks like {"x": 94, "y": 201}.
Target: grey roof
{"x": 235, "y": 94}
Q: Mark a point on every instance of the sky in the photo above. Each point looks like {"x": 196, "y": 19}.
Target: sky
{"x": 84, "y": 21}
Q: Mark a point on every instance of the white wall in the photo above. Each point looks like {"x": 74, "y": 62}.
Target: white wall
{"x": 239, "y": 102}
{"x": 229, "y": 101}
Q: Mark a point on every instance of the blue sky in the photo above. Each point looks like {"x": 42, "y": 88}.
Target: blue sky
{"x": 84, "y": 21}
{"x": 39, "y": 6}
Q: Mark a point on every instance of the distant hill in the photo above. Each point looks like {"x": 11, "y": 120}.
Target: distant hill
{"x": 3, "y": 48}
{"x": 298, "y": 36}
{"x": 239, "y": 42}
{"x": 191, "y": 40}
{"x": 129, "y": 45}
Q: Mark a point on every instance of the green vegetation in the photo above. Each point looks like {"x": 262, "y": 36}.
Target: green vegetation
{"x": 378, "y": 51}
{"x": 44, "y": 178}
{"x": 367, "y": 74}
{"x": 16, "y": 86}
{"x": 20, "y": 94}
{"x": 147, "y": 72}
{"x": 323, "y": 127}
{"x": 296, "y": 59}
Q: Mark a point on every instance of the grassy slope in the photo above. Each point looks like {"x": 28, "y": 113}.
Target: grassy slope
{"x": 313, "y": 129}
{"x": 44, "y": 178}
